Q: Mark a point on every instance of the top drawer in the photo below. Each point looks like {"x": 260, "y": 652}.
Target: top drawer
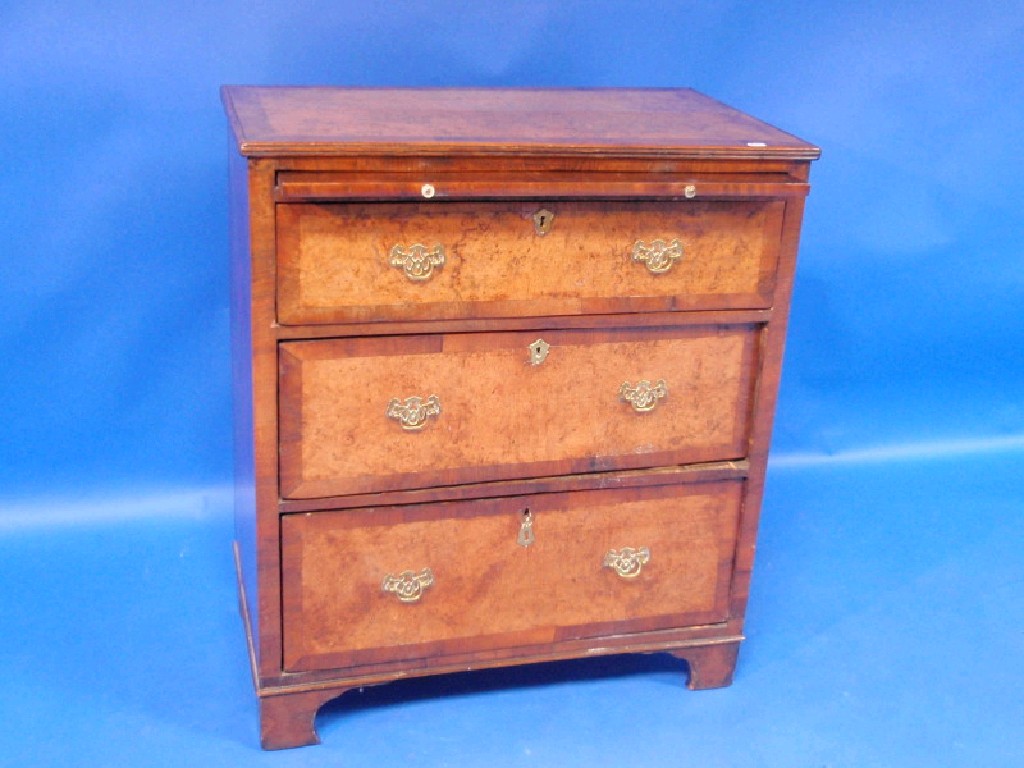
{"x": 351, "y": 262}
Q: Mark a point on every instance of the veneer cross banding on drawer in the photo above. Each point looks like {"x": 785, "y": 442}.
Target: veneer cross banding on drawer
{"x": 494, "y": 414}
{"x": 358, "y": 262}
{"x": 474, "y": 584}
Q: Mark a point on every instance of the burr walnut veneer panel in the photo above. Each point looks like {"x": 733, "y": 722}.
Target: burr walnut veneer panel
{"x": 488, "y": 590}
{"x": 501, "y": 416}
{"x": 334, "y": 260}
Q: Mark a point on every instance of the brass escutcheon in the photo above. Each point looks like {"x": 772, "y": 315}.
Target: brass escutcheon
{"x": 542, "y": 221}
{"x": 539, "y": 351}
{"x": 413, "y": 412}
{"x": 644, "y": 396}
{"x": 526, "y": 535}
{"x": 627, "y": 562}
{"x": 659, "y": 256}
{"x": 408, "y": 586}
{"x": 417, "y": 261}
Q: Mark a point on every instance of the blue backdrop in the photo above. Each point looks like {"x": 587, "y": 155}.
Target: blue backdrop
{"x": 904, "y": 363}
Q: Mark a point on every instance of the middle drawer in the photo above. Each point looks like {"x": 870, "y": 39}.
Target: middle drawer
{"x": 363, "y": 415}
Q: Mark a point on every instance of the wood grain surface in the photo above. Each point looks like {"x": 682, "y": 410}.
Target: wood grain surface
{"x": 332, "y": 121}
{"x": 332, "y": 494}
{"x": 334, "y": 260}
{"x": 488, "y": 590}
{"x": 502, "y": 417}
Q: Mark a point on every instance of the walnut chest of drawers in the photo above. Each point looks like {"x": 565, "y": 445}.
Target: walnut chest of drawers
{"x": 505, "y": 366}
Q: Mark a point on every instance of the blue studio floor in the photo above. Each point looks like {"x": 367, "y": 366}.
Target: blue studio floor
{"x": 886, "y": 628}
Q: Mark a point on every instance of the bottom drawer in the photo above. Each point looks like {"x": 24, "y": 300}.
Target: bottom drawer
{"x": 401, "y": 583}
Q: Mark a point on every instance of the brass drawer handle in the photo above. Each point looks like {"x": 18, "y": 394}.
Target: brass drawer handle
{"x": 413, "y": 412}
{"x": 644, "y": 396}
{"x": 659, "y": 256}
{"x": 417, "y": 261}
{"x": 627, "y": 562}
{"x": 408, "y": 586}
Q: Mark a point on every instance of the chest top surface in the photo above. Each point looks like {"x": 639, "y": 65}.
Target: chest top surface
{"x": 282, "y": 121}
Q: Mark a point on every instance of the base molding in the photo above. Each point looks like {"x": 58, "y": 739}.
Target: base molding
{"x": 288, "y": 714}
{"x": 288, "y": 709}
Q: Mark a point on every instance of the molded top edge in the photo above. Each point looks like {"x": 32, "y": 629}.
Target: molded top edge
{"x": 314, "y": 120}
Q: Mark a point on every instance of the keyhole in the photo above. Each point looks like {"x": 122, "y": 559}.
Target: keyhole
{"x": 538, "y": 351}
{"x": 526, "y": 536}
{"x": 542, "y": 221}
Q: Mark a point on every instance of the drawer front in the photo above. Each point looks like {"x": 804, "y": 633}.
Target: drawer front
{"x": 373, "y": 262}
{"x": 370, "y": 586}
{"x": 599, "y": 400}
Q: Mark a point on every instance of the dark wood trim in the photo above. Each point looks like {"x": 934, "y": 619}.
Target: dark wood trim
{"x": 264, "y": 394}
{"x": 409, "y": 187}
{"x": 774, "y": 339}
{"x": 480, "y": 149}
{"x": 504, "y": 324}
{"x": 245, "y": 513}
{"x": 777, "y": 171}
{"x": 689, "y": 473}
{"x": 644, "y": 642}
